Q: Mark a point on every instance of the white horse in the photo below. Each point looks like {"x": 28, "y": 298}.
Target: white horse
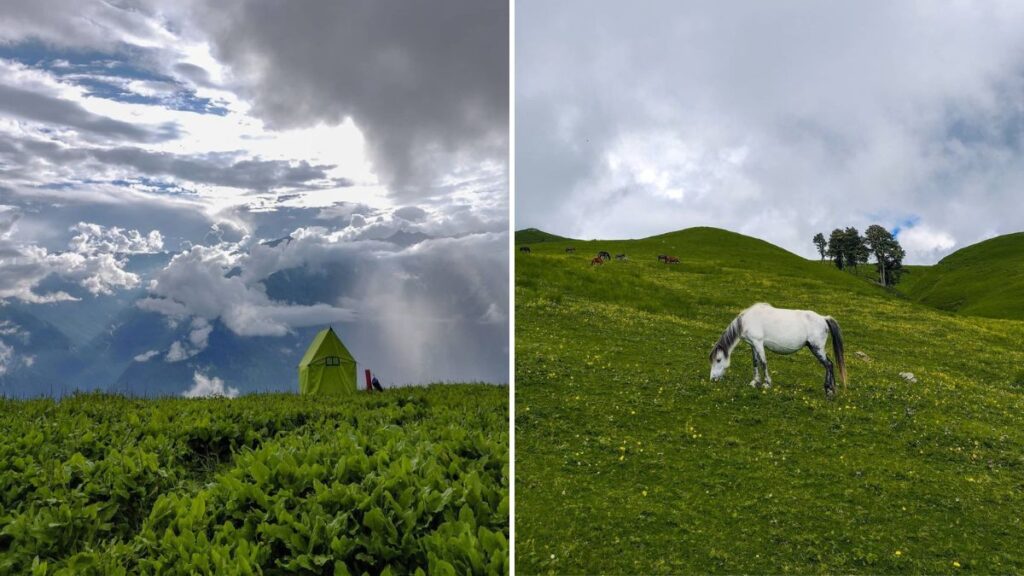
{"x": 784, "y": 332}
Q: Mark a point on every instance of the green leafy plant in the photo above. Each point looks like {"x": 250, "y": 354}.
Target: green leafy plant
{"x": 393, "y": 483}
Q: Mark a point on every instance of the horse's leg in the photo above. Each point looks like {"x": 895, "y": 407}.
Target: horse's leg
{"x": 757, "y": 368}
{"x": 759, "y": 351}
{"x": 830, "y": 378}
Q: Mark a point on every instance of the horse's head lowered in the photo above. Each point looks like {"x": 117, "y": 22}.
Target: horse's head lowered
{"x": 719, "y": 362}
{"x": 719, "y": 356}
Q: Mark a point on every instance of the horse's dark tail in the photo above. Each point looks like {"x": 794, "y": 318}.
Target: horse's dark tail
{"x": 837, "y": 346}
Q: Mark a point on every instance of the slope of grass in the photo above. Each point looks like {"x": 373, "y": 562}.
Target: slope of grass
{"x": 407, "y": 481}
{"x": 534, "y": 236}
{"x": 985, "y": 279}
{"x": 629, "y": 460}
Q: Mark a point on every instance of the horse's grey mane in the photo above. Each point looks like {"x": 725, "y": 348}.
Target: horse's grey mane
{"x": 729, "y": 337}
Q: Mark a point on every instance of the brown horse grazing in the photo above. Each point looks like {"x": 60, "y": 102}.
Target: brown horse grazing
{"x": 662, "y": 258}
{"x": 597, "y": 260}
{"x": 671, "y": 260}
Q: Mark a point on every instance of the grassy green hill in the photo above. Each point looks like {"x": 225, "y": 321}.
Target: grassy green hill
{"x": 629, "y": 460}
{"x": 534, "y": 236}
{"x": 402, "y": 482}
{"x": 985, "y": 279}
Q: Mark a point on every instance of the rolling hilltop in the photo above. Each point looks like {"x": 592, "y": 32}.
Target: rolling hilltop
{"x": 655, "y": 469}
{"x": 533, "y": 236}
{"x": 985, "y": 279}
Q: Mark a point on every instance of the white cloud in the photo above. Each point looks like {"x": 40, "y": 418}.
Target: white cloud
{"x": 200, "y": 334}
{"x": 199, "y": 283}
{"x": 90, "y": 264}
{"x": 22, "y": 268}
{"x": 494, "y": 315}
{"x": 198, "y": 339}
{"x": 94, "y": 238}
{"x": 177, "y": 353}
{"x": 9, "y": 328}
{"x": 9, "y": 215}
{"x": 6, "y": 357}
{"x": 205, "y": 386}
{"x": 411, "y": 213}
{"x": 9, "y": 359}
{"x": 173, "y": 310}
{"x": 927, "y": 243}
{"x": 146, "y": 356}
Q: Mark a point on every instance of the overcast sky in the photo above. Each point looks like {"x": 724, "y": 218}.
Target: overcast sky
{"x": 773, "y": 119}
{"x": 203, "y": 128}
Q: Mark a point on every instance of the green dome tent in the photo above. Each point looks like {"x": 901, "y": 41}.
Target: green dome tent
{"x": 327, "y": 367}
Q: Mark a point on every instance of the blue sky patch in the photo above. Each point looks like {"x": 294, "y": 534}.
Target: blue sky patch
{"x": 108, "y": 75}
{"x": 908, "y": 222}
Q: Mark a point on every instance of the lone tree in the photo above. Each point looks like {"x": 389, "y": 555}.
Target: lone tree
{"x": 887, "y": 252}
{"x": 821, "y": 244}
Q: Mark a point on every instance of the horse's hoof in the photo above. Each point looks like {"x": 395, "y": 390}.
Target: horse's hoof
{"x": 755, "y": 384}
{"x": 767, "y": 384}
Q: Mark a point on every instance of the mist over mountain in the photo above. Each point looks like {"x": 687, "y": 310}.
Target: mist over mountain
{"x": 426, "y": 320}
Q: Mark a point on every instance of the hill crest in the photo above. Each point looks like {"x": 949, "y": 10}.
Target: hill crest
{"x": 983, "y": 279}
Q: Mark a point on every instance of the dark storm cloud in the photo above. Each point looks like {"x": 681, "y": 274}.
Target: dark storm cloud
{"x": 427, "y": 82}
{"x": 32, "y": 105}
{"x": 773, "y": 119}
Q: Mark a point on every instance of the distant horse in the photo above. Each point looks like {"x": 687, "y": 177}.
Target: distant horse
{"x": 662, "y": 258}
{"x": 524, "y": 249}
{"x": 620, "y": 256}
{"x": 570, "y": 250}
{"x": 671, "y": 260}
{"x": 597, "y": 260}
{"x": 604, "y": 255}
{"x": 784, "y": 332}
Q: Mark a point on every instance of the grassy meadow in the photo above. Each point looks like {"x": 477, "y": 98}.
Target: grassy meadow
{"x": 630, "y": 460}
